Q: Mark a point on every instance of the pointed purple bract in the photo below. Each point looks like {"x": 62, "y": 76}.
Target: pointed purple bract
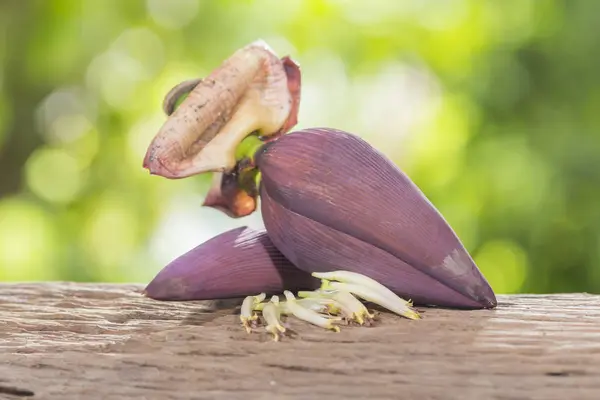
{"x": 331, "y": 201}
{"x": 237, "y": 263}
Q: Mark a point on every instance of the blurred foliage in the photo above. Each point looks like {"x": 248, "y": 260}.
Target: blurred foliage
{"x": 490, "y": 106}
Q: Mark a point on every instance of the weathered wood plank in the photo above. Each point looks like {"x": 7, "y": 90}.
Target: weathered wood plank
{"x": 75, "y": 341}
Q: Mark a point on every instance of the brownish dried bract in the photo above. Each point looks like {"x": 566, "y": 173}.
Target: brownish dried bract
{"x": 249, "y": 92}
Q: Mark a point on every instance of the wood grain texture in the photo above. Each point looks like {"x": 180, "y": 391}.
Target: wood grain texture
{"x": 86, "y": 341}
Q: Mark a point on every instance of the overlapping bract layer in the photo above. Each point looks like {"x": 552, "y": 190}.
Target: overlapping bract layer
{"x": 331, "y": 201}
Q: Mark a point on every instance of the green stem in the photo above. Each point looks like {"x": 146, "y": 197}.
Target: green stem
{"x": 248, "y": 147}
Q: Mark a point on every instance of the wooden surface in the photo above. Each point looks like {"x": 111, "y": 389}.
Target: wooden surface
{"x": 73, "y": 341}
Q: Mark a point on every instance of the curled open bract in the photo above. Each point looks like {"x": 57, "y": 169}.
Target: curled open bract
{"x": 252, "y": 91}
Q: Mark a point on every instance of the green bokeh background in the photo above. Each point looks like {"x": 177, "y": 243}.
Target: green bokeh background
{"x": 491, "y": 107}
